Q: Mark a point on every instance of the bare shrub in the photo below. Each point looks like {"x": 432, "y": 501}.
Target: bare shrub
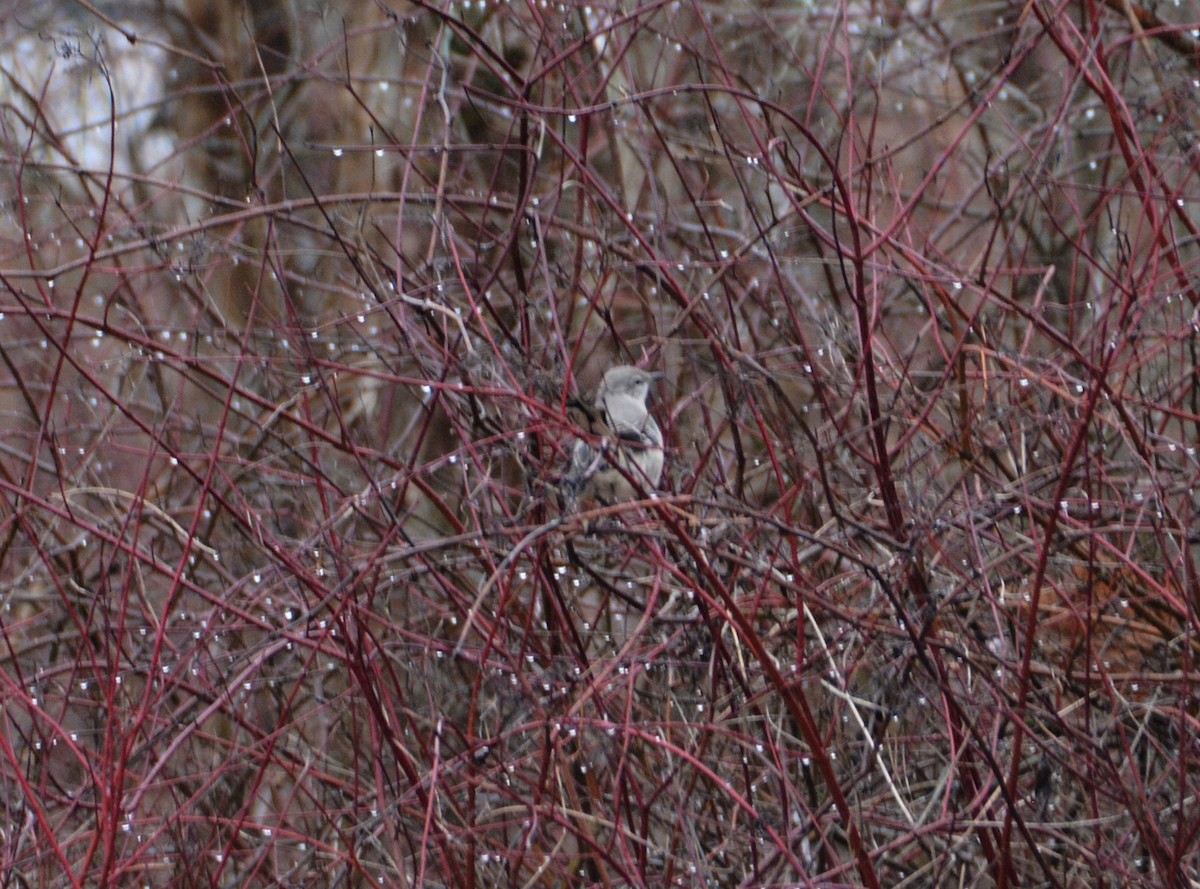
{"x": 297, "y": 301}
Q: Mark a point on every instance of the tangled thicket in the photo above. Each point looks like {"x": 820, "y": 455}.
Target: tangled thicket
{"x": 294, "y": 299}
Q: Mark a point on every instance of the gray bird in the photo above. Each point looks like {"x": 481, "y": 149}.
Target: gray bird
{"x": 628, "y": 459}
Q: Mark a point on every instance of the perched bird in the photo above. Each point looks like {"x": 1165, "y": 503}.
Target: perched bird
{"x": 628, "y": 458}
